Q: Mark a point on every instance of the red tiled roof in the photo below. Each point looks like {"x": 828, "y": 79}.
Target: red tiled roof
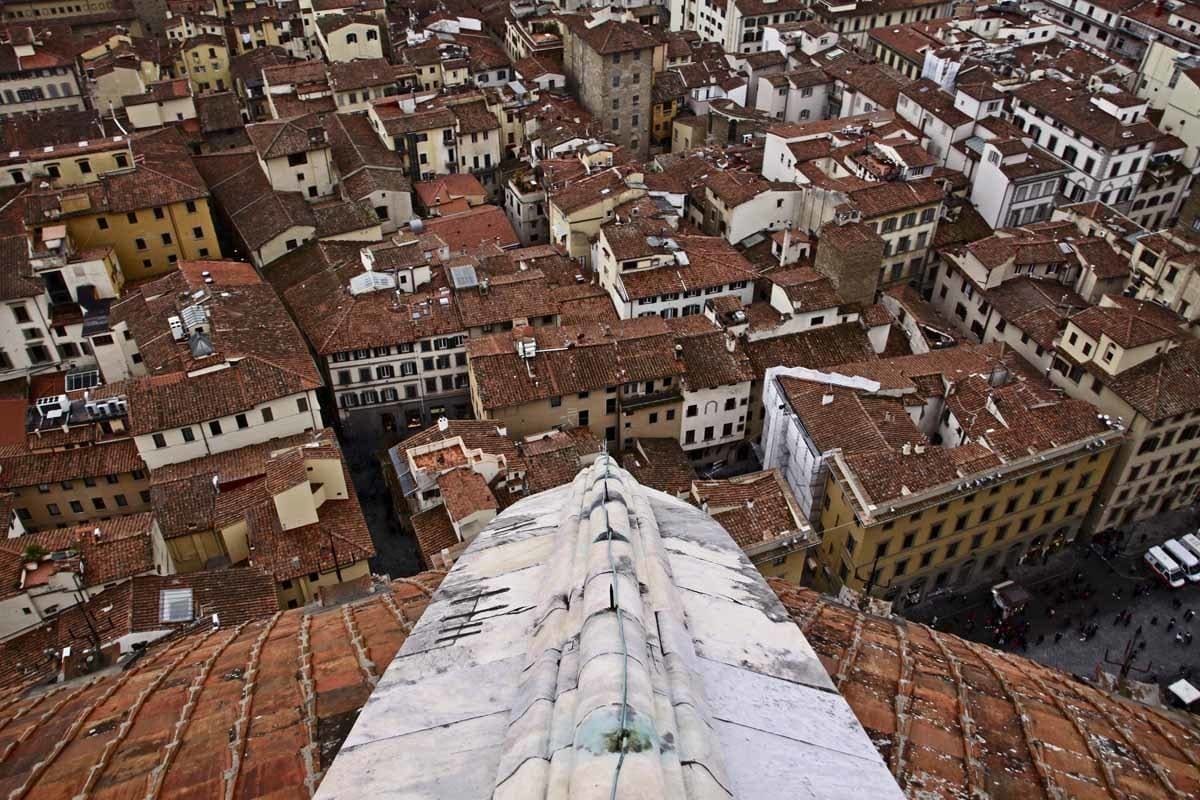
{"x": 754, "y": 508}
{"x": 434, "y": 532}
{"x": 660, "y": 464}
{"x": 953, "y": 718}
{"x": 253, "y": 709}
{"x": 465, "y": 492}
{"x": 570, "y": 360}
{"x": 482, "y": 225}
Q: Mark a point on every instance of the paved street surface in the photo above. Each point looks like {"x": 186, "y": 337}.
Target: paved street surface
{"x": 1112, "y": 582}
{"x": 395, "y": 552}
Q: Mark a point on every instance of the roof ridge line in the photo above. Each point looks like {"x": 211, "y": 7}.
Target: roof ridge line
{"x": 159, "y": 772}
{"x": 241, "y": 725}
{"x": 111, "y": 745}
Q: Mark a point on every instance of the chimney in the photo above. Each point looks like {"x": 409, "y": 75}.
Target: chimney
{"x": 443, "y": 424}
{"x": 96, "y": 535}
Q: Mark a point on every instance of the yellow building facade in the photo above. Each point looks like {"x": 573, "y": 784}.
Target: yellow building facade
{"x": 148, "y": 241}
{"x": 952, "y": 540}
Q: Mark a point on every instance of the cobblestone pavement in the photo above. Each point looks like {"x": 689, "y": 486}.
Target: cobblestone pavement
{"x": 1055, "y": 639}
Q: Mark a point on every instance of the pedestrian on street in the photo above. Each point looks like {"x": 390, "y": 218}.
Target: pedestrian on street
{"x": 1170, "y": 623}
{"x": 1187, "y": 637}
{"x": 1187, "y": 615}
{"x": 1058, "y": 637}
{"x": 1179, "y": 638}
{"x": 1138, "y": 632}
{"x": 1176, "y": 602}
{"x": 1154, "y": 620}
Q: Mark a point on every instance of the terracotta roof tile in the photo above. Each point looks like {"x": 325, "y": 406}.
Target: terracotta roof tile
{"x": 754, "y": 508}
{"x": 953, "y": 718}
{"x": 819, "y": 348}
{"x": 253, "y": 709}
{"x": 434, "y": 532}
{"x": 660, "y": 464}
{"x": 464, "y": 493}
{"x": 482, "y": 225}
{"x": 570, "y": 360}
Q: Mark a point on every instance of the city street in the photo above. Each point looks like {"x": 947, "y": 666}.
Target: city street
{"x": 395, "y": 552}
{"x": 1110, "y": 586}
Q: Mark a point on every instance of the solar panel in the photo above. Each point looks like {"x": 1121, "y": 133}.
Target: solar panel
{"x": 464, "y": 277}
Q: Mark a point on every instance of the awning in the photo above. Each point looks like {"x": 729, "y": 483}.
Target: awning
{"x": 1186, "y": 693}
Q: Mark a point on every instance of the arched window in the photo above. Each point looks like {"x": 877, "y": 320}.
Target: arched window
{"x": 351, "y": 38}
{"x": 372, "y": 35}
{"x": 66, "y": 89}
{"x": 52, "y": 89}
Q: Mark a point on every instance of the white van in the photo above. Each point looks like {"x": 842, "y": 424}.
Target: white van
{"x": 1192, "y": 542}
{"x": 1185, "y": 558}
{"x": 1167, "y": 569}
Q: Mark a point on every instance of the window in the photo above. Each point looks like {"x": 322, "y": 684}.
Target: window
{"x": 242, "y": 422}
{"x": 139, "y": 243}
{"x": 98, "y": 502}
{"x": 53, "y": 510}
{"x": 555, "y": 402}
{"x": 215, "y": 427}
{"x": 76, "y": 507}
{"x": 302, "y": 405}
{"x": 160, "y": 441}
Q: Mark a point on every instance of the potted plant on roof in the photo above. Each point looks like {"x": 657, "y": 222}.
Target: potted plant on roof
{"x": 33, "y": 554}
